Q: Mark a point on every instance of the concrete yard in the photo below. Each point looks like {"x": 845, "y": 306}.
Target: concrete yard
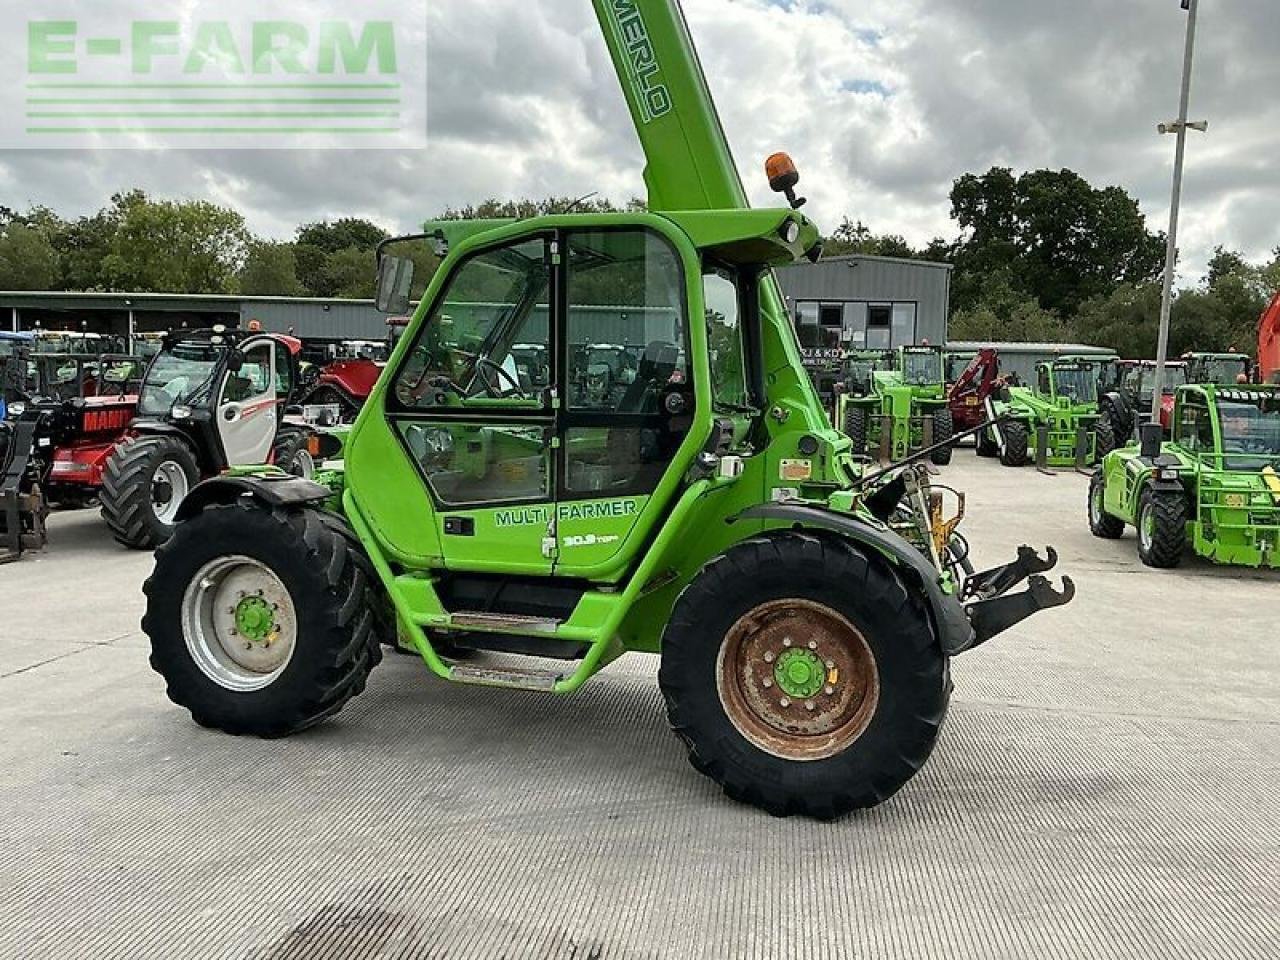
{"x": 1106, "y": 786}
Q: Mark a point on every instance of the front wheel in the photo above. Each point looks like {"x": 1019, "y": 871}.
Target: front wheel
{"x": 855, "y": 428}
{"x": 1104, "y": 440}
{"x": 262, "y": 621}
{"x": 143, "y": 485}
{"x": 803, "y": 676}
{"x": 1101, "y": 523}
{"x": 291, "y": 452}
{"x": 1162, "y": 528}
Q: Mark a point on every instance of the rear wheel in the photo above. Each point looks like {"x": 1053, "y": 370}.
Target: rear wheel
{"x": 855, "y": 428}
{"x": 803, "y": 677}
{"x": 1162, "y": 528}
{"x": 262, "y": 621}
{"x": 290, "y": 452}
{"x": 1016, "y": 438}
{"x": 143, "y": 485}
{"x": 944, "y": 428}
{"x": 1101, "y": 523}
{"x": 1104, "y": 439}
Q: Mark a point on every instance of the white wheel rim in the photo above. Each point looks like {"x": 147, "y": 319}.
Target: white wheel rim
{"x": 1095, "y": 505}
{"x": 213, "y": 621}
{"x": 169, "y": 487}
{"x": 1145, "y": 525}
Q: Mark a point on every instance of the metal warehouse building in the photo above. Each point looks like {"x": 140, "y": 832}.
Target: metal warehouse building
{"x": 860, "y": 302}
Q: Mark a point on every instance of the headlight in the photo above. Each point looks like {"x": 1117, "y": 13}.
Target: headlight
{"x": 1167, "y": 474}
{"x": 790, "y": 231}
{"x": 179, "y": 412}
{"x": 17, "y": 409}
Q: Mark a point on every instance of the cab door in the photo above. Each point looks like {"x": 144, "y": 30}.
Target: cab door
{"x": 474, "y": 408}
{"x": 628, "y": 391}
{"x": 247, "y": 414}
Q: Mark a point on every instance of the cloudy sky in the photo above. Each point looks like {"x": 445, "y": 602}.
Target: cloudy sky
{"x": 882, "y": 102}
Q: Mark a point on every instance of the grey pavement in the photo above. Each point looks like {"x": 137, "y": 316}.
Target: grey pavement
{"x": 1106, "y": 786}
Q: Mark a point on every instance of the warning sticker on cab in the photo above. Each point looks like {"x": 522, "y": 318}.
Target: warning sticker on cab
{"x": 796, "y": 471}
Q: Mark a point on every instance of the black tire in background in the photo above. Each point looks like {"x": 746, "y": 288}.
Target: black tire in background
{"x": 1104, "y": 439}
{"x": 126, "y": 495}
{"x": 1162, "y": 527}
{"x": 944, "y": 428}
{"x": 912, "y": 682}
{"x": 1101, "y": 523}
{"x": 1016, "y": 439}
{"x": 855, "y": 428}
{"x": 339, "y": 621}
{"x": 289, "y": 452}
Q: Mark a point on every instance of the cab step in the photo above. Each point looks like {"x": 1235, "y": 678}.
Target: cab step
{"x": 502, "y": 622}
{"x": 542, "y": 681}
{"x": 548, "y": 648}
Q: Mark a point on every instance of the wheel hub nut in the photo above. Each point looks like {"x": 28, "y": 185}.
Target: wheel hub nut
{"x": 799, "y": 674}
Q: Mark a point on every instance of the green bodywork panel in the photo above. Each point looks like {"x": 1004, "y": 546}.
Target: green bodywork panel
{"x": 1064, "y": 399}
{"x": 1226, "y": 459}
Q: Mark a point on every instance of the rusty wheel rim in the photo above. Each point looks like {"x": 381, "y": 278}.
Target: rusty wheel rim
{"x": 797, "y": 679}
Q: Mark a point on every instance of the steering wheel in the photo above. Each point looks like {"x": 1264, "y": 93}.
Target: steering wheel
{"x": 485, "y": 362}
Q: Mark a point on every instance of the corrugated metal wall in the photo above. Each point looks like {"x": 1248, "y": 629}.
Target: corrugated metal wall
{"x": 858, "y": 283}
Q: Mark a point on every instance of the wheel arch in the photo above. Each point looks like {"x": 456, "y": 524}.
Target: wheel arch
{"x": 267, "y": 491}
{"x": 951, "y": 623}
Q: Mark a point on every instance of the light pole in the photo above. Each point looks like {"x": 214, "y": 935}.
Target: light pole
{"x": 1179, "y": 127}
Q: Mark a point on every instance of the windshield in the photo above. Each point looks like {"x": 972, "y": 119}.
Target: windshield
{"x": 1077, "y": 382}
{"x": 182, "y": 374}
{"x": 1252, "y": 429}
{"x": 921, "y": 369}
{"x": 1224, "y": 372}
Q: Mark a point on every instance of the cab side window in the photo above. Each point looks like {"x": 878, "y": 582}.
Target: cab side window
{"x": 487, "y": 342}
{"x": 284, "y": 371}
{"x": 1046, "y": 382}
{"x": 253, "y": 379}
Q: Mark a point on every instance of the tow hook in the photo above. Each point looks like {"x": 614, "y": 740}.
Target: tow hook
{"x": 992, "y": 610}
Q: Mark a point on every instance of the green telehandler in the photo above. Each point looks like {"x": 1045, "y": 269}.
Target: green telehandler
{"x": 1213, "y": 487}
{"x": 708, "y": 512}
{"x": 896, "y": 404}
{"x": 1055, "y": 422}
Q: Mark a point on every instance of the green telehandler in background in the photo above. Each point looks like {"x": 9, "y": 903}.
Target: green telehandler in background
{"x": 707, "y": 512}
{"x": 1214, "y": 486}
{"x": 895, "y": 404}
{"x": 1055, "y": 422}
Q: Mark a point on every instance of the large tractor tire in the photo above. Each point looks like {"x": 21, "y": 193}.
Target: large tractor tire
{"x": 1162, "y": 528}
{"x": 1101, "y": 523}
{"x": 803, "y": 676}
{"x": 1104, "y": 440}
{"x": 143, "y": 484}
{"x": 944, "y": 428}
{"x": 290, "y": 452}
{"x": 262, "y": 621}
{"x": 1016, "y": 443}
{"x": 855, "y": 428}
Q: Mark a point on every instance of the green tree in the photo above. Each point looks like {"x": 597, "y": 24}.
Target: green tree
{"x": 855, "y": 237}
{"x": 176, "y": 247}
{"x": 1127, "y": 320}
{"x": 1061, "y": 240}
{"x": 350, "y": 273}
{"x": 28, "y": 260}
{"x": 317, "y": 242}
{"x": 1004, "y": 313}
{"x": 271, "y": 270}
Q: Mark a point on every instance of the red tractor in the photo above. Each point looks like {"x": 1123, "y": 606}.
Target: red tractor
{"x": 967, "y": 397}
{"x": 1269, "y": 343}
{"x": 353, "y": 367}
{"x": 211, "y": 400}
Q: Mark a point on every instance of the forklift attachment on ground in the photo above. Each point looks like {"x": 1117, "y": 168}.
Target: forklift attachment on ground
{"x": 22, "y": 504}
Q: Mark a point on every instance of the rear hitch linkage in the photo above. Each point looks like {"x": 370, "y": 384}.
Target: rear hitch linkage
{"x": 992, "y": 610}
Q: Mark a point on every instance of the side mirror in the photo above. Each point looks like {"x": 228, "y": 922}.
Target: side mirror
{"x": 1152, "y": 439}
{"x": 395, "y": 277}
{"x": 235, "y": 362}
